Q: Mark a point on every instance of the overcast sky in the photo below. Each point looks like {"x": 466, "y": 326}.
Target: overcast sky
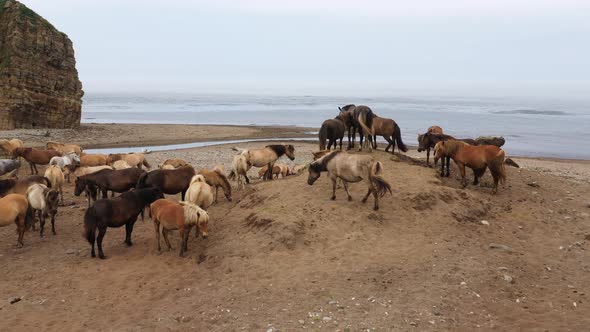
{"x": 520, "y": 47}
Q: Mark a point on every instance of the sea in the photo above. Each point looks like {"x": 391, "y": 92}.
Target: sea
{"x": 534, "y": 127}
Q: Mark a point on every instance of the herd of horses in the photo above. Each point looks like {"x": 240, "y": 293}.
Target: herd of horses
{"x": 37, "y": 197}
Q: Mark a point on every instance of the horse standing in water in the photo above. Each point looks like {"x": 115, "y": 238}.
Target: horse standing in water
{"x": 268, "y": 156}
{"x": 351, "y": 168}
{"x": 477, "y": 158}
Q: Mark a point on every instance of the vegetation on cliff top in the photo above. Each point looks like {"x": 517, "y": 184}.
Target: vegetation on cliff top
{"x": 29, "y": 14}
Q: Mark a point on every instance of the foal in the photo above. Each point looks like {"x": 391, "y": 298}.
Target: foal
{"x": 351, "y": 168}
{"x": 44, "y": 201}
{"x": 268, "y": 156}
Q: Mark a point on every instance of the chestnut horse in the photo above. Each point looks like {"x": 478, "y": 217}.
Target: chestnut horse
{"x": 351, "y": 168}
{"x": 178, "y": 216}
{"x": 64, "y": 148}
{"x": 428, "y": 140}
{"x": 36, "y": 157}
{"x": 332, "y": 130}
{"x": 94, "y": 160}
{"x": 133, "y": 159}
{"x": 389, "y": 129}
{"x": 477, "y": 158}
{"x": 169, "y": 181}
{"x": 14, "y": 208}
{"x": 116, "y": 212}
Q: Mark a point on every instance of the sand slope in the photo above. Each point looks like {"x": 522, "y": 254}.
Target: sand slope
{"x": 283, "y": 256}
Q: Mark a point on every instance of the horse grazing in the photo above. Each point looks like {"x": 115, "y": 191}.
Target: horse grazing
{"x": 332, "y": 130}
{"x": 389, "y": 129}
{"x": 178, "y": 216}
{"x": 347, "y": 113}
{"x": 169, "y": 181}
{"x": 10, "y": 146}
{"x": 268, "y": 156}
{"x": 64, "y": 148}
{"x": 9, "y": 165}
{"x": 240, "y": 167}
{"x": 56, "y": 178}
{"x": 20, "y": 186}
{"x": 428, "y": 140}
{"x": 133, "y": 159}
{"x": 477, "y": 158}
{"x": 121, "y": 164}
{"x": 70, "y": 158}
{"x": 116, "y": 212}
{"x": 114, "y": 180}
{"x": 351, "y": 168}
{"x": 14, "y": 208}
{"x": 36, "y": 157}
{"x": 199, "y": 192}
{"x": 217, "y": 179}
{"x": 94, "y": 160}
{"x": 175, "y": 163}
{"x": 363, "y": 117}
{"x": 44, "y": 201}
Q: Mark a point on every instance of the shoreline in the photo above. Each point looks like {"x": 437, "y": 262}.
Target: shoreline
{"x": 115, "y": 135}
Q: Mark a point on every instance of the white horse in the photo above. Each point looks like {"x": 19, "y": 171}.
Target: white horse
{"x": 240, "y": 169}
{"x": 121, "y": 164}
{"x": 44, "y": 201}
{"x": 70, "y": 158}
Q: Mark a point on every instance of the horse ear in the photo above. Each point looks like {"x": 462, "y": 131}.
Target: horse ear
{"x": 340, "y": 108}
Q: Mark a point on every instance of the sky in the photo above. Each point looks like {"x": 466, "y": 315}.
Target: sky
{"x": 393, "y": 47}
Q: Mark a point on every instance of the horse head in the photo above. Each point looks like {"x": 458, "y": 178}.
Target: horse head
{"x": 79, "y": 186}
{"x": 290, "y": 151}
{"x": 314, "y": 172}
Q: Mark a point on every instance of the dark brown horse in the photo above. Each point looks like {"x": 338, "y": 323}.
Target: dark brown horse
{"x": 363, "y": 118}
{"x": 389, "y": 129}
{"x": 332, "y": 130}
{"x": 20, "y": 186}
{"x": 428, "y": 140}
{"x": 36, "y": 157}
{"x": 114, "y": 180}
{"x": 169, "y": 181}
{"x": 347, "y": 113}
{"x": 116, "y": 212}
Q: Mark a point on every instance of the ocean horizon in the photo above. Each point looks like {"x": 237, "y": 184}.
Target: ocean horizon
{"x": 532, "y": 127}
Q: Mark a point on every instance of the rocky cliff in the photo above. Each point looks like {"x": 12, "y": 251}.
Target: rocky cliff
{"x": 39, "y": 85}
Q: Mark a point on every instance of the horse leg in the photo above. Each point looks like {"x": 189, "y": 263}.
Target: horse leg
{"x": 428, "y": 158}
{"x": 376, "y": 196}
{"x": 41, "y": 222}
{"x": 128, "y": 230}
{"x": 20, "y": 228}
{"x": 53, "y": 222}
{"x": 462, "y": 171}
{"x": 496, "y": 177}
{"x": 361, "y": 137}
{"x": 101, "y": 232}
{"x": 364, "y": 200}
{"x": 181, "y": 232}
{"x": 165, "y": 234}
{"x": 35, "y": 167}
{"x": 269, "y": 172}
{"x": 182, "y": 194}
{"x": 61, "y": 194}
{"x": 341, "y": 142}
{"x": 448, "y": 166}
{"x": 157, "y": 229}
{"x": 333, "y": 188}
{"x": 346, "y": 189}
{"x": 186, "y": 234}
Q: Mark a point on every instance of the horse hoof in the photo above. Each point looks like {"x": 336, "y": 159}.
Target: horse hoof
{"x": 349, "y": 198}
{"x": 333, "y": 198}
{"x": 376, "y": 208}
{"x": 102, "y": 256}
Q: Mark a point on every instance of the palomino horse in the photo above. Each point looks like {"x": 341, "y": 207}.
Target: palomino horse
{"x": 14, "y": 208}
{"x": 20, "y": 186}
{"x": 332, "y": 130}
{"x": 477, "y": 158}
{"x": 56, "y": 178}
{"x": 276, "y": 171}
{"x": 175, "y": 163}
{"x": 199, "y": 192}
{"x": 389, "y": 129}
{"x": 133, "y": 159}
{"x": 364, "y": 116}
{"x": 169, "y": 181}
{"x": 347, "y": 113}
{"x": 121, "y": 164}
{"x": 94, "y": 160}
{"x": 178, "y": 216}
{"x": 217, "y": 179}
{"x": 44, "y": 201}
{"x": 268, "y": 155}
{"x": 427, "y": 141}
{"x": 10, "y": 146}
{"x": 70, "y": 158}
{"x": 64, "y": 148}
{"x": 240, "y": 169}
{"x": 36, "y": 157}
{"x": 351, "y": 168}
{"x": 116, "y": 212}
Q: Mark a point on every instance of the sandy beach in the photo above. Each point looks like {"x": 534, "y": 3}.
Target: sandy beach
{"x": 282, "y": 255}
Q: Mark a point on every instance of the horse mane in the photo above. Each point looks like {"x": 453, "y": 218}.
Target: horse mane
{"x": 452, "y": 146}
{"x": 321, "y": 164}
{"x": 279, "y": 149}
{"x": 347, "y": 107}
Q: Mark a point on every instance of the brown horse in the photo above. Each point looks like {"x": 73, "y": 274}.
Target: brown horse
{"x": 347, "y": 113}
{"x": 36, "y": 157}
{"x": 20, "y": 186}
{"x": 217, "y": 179}
{"x": 114, "y": 180}
{"x": 477, "y": 158}
{"x": 428, "y": 140}
{"x": 363, "y": 117}
{"x": 116, "y": 212}
{"x": 351, "y": 168}
{"x": 276, "y": 171}
{"x": 332, "y": 130}
{"x": 389, "y": 129}
{"x": 178, "y": 216}
{"x": 268, "y": 156}
{"x": 64, "y": 148}
{"x": 94, "y": 160}
{"x": 14, "y": 208}
{"x": 169, "y": 181}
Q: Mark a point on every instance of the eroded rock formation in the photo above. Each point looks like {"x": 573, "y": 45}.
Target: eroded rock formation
{"x": 39, "y": 85}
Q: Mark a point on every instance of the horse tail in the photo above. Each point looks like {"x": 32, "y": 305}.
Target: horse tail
{"x": 90, "y": 225}
{"x": 398, "y": 138}
{"x": 141, "y": 181}
{"x": 380, "y": 185}
{"x": 511, "y": 162}
{"x": 497, "y": 167}
{"x": 46, "y": 179}
{"x": 232, "y": 175}
{"x": 29, "y": 217}
{"x": 146, "y": 164}
{"x": 323, "y": 135}
{"x": 362, "y": 119}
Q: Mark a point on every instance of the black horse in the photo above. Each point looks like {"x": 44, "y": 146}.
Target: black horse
{"x": 332, "y": 130}
{"x": 116, "y": 212}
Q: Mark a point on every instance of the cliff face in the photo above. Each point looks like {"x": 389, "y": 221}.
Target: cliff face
{"x": 39, "y": 85}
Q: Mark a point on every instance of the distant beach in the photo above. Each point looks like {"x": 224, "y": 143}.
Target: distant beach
{"x": 532, "y": 128}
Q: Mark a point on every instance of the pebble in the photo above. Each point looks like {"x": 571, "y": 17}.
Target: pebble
{"x": 499, "y": 246}
{"x": 71, "y": 252}
{"x": 503, "y": 268}
{"x": 327, "y": 319}
{"x": 533, "y": 184}
{"x": 14, "y": 300}
{"x": 508, "y": 279}
{"x": 548, "y": 268}
{"x": 485, "y": 222}
{"x": 301, "y": 321}
{"x": 332, "y": 302}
